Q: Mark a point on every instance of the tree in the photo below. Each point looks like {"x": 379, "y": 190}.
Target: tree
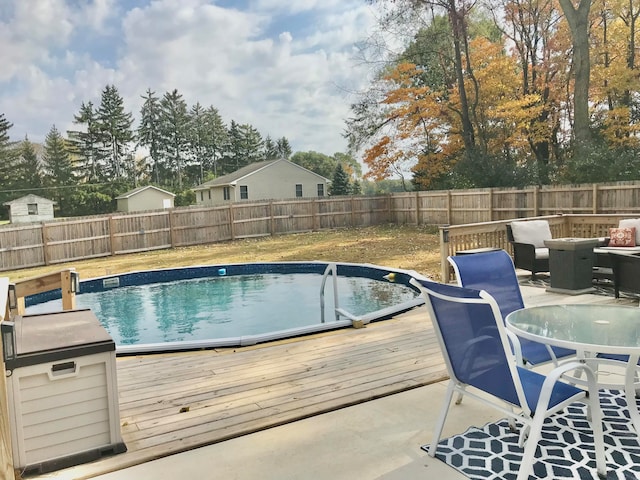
{"x": 114, "y": 124}
{"x": 340, "y": 184}
{"x": 8, "y": 159}
{"x": 318, "y": 163}
{"x": 149, "y": 131}
{"x": 198, "y": 138}
{"x": 58, "y": 173}
{"x": 86, "y": 145}
{"x": 270, "y": 152}
{"x": 218, "y": 139}
{"x": 245, "y": 147}
{"x": 578, "y": 20}
{"x": 28, "y": 171}
{"x": 174, "y": 140}
{"x": 283, "y": 148}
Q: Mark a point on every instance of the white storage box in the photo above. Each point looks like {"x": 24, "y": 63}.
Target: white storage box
{"x": 63, "y": 396}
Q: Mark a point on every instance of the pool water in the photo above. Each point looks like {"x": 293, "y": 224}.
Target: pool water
{"x": 229, "y": 306}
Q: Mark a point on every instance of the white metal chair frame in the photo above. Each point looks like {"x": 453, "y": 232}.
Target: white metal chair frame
{"x": 532, "y": 418}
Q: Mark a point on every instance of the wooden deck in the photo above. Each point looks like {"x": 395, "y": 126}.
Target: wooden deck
{"x": 174, "y": 402}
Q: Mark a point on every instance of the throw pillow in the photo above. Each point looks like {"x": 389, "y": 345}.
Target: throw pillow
{"x": 622, "y": 237}
{"x": 629, "y": 223}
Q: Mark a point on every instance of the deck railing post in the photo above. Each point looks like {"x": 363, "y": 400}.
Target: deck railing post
{"x": 444, "y": 253}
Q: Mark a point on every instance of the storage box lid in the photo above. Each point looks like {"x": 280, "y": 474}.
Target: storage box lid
{"x": 49, "y": 337}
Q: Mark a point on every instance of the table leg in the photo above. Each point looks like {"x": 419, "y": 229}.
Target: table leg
{"x": 630, "y": 391}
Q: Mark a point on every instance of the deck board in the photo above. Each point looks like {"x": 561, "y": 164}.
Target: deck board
{"x": 174, "y": 402}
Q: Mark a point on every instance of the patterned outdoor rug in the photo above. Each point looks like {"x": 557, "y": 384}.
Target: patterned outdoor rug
{"x": 565, "y": 451}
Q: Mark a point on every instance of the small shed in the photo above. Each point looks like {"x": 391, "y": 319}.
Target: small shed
{"x": 30, "y": 208}
{"x": 144, "y": 198}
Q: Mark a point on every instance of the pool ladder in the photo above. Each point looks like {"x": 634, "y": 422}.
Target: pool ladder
{"x": 332, "y": 270}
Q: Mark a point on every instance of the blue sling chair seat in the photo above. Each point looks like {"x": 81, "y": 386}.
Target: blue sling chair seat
{"x": 472, "y": 335}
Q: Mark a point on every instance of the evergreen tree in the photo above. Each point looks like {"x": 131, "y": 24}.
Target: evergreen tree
{"x": 218, "y": 139}
{"x": 245, "y": 146}
{"x": 86, "y": 145}
{"x": 207, "y": 140}
{"x": 57, "y": 169}
{"x": 28, "y": 171}
{"x": 231, "y": 160}
{"x": 197, "y": 136}
{"x": 283, "y": 148}
{"x": 8, "y": 159}
{"x": 115, "y": 126}
{"x": 149, "y": 131}
{"x": 174, "y": 141}
{"x": 270, "y": 150}
{"x": 340, "y": 184}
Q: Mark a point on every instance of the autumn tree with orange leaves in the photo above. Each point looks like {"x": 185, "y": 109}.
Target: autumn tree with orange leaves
{"x": 511, "y": 109}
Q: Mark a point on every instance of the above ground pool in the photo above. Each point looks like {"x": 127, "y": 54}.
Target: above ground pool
{"x": 235, "y": 305}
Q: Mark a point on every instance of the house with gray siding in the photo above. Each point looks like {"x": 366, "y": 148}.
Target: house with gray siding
{"x": 30, "y": 208}
{"x": 148, "y": 197}
{"x": 268, "y": 180}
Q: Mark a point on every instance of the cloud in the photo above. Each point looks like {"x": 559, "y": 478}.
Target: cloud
{"x": 284, "y": 67}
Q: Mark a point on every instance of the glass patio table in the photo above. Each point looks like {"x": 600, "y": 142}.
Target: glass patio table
{"x": 590, "y": 330}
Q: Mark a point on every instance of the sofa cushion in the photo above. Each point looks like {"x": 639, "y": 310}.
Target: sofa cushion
{"x": 542, "y": 253}
{"x": 631, "y": 223}
{"x": 622, "y": 237}
{"x": 534, "y": 232}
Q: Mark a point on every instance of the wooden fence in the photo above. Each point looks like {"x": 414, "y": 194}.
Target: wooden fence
{"x": 69, "y": 239}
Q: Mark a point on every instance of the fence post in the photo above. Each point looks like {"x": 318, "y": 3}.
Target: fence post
{"x": 315, "y": 207}
{"x": 491, "y": 204}
{"x": 536, "y": 208}
{"x": 449, "y": 215}
{"x": 45, "y": 247}
{"x": 417, "y": 208}
{"x": 595, "y": 198}
{"x": 172, "y": 232}
{"x": 352, "y": 201}
{"x": 232, "y": 225}
{"x": 111, "y": 236}
{"x": 272, "y": 222}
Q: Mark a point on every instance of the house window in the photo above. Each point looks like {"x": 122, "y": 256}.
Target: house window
{"x": 226, "y": 193}
{"x": 244, "y": 192}
{"x": 209, "y": 192}
{"x": 32, "y": 208}
{"x": 201, "y": 196}
{"x": 321, "y": 189}
{"x": 298, "y": 190}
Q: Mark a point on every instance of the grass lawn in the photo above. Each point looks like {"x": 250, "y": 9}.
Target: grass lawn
{"x": 407, "y": 247}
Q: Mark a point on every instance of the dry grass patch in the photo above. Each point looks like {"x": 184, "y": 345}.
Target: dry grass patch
{"x": 407, "y": 247}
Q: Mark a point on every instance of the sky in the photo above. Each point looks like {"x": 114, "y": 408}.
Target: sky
{"x": 287, "y": 67}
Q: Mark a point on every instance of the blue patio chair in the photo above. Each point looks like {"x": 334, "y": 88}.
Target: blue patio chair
{"x": 473, "y": 339}
{"x": 494, "y": 272}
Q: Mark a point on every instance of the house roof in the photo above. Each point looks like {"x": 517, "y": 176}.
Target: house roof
{"x": 135, "y": 191}
{"x": 31, "y": 198}
{"x": 234, "y": 177}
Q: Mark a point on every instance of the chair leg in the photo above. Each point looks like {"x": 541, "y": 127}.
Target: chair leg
{"x": 460, "y": 395}
{"x": 441, "y": 419}
{"x": 530, "y": 447}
